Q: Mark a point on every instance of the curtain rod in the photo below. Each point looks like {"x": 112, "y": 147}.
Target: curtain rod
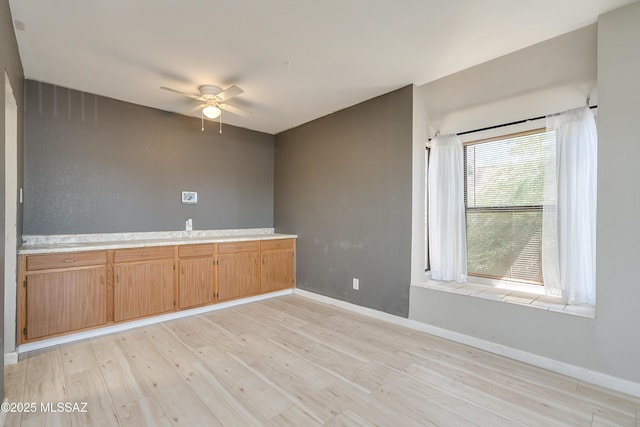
{"x": 503, "y": 125}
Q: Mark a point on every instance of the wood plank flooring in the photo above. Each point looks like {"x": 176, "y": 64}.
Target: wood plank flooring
{"x": 291, "y": 361}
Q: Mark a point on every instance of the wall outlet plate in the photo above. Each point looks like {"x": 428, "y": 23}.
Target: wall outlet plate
{"x": 356, "y": 284}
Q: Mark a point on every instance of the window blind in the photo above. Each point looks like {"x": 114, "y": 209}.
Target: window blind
{"x": 504, "y": 183}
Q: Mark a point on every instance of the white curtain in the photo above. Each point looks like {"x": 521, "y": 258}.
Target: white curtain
{"x": 447, "y": 229}
{"x": 569, "y": 215}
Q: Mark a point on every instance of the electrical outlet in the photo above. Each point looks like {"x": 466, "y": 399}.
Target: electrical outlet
{"x": 189, "y": 225}
{"x": 356, "y": 284}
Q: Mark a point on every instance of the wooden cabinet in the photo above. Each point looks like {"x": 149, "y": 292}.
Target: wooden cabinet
{"x": 277, "y": 270}
{"x": 143, "y": 254}
{"x": 65, "y": 260}
{"x": 63, "y": 293}
{"x": 238, "y": 270}
{"x": 144, "y": 282}
{"x": 197, "y": 275}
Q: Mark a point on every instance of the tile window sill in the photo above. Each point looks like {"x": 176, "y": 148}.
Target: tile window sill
{"x": 510, "y": 296}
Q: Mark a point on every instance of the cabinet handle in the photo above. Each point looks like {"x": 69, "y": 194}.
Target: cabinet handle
{"x": 102, "y": 280}
{"x": 147, "y": 254}
{"x": 182, "y": 268}
{"x": 69, "y": 260}
{"x": 118, "y": 278}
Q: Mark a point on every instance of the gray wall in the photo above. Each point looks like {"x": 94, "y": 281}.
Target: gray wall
{"x": 96, "y": 165}
{"x": 618, "y": 233}
{"x": 609, "y": 343}
{"x": 343, "y": 184}
{"x": 11, "y": 64}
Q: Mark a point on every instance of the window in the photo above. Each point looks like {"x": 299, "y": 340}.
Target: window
{"x": 504, "y": 182}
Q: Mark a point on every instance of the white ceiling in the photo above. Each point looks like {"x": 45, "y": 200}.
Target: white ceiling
{"x": 297, "y": 60}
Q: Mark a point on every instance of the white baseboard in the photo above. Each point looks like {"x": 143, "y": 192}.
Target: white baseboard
{"x": 577, "y": 372}
{"x": 10, "y": 359}
{"x": 143, "y": 322}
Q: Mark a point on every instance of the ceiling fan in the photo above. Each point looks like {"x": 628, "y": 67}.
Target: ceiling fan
{"x": 214, "y": 100}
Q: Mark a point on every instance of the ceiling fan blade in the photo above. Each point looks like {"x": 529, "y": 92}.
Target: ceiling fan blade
{"x": 235, "y": 110}
{"x": 229, "y": 93}
{"x": 197, "y": 108}
{"x": 179, "y": 93}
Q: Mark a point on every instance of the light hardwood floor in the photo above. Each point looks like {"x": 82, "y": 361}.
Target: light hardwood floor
{"x": 293, "y": 361}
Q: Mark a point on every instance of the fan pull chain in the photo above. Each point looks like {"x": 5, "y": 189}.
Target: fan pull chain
{"x": 220, "y": 121}
{"x": 202, "y": 117}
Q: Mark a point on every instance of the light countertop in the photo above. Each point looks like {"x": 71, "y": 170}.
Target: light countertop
{"x": 106, "y": 241}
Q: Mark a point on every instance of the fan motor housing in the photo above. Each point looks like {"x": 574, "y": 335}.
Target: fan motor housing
{"x": 209, "y": 91}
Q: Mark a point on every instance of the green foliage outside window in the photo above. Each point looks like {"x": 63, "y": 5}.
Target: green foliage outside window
{"x": 504, "y": 192}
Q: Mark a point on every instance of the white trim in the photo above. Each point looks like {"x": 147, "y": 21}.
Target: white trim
{"x": 10, "y": 359}
{"x": 577, "y": 372}
{"x": 145, "y": 322}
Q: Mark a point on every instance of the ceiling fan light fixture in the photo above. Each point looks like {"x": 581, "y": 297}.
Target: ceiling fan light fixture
{"x": 211, "y": 111}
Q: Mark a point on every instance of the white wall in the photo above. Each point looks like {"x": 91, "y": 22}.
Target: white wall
{"x": 609, "y": 343}
{"x": 420, "y": 132}
{"x": 11, "y": 217}
{"x": 544, "y": 78}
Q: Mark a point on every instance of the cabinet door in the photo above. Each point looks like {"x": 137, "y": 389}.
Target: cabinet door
{"x": 197, "y": 285}
{"x": 238, "y": 275}
{"x": 277, "y": 271}
{"x": 142, "y": 289}
{"x": 65, "y": 301}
